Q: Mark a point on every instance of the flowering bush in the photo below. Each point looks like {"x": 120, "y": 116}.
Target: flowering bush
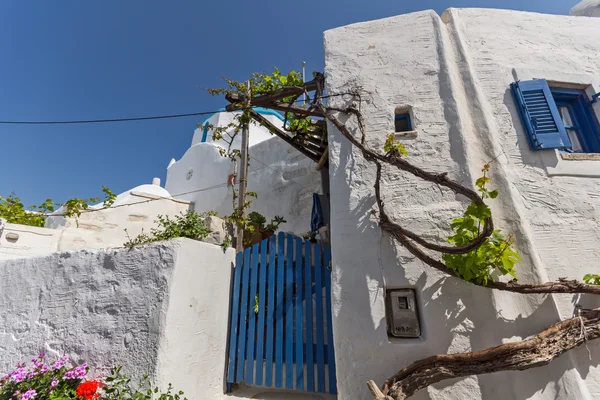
{"x": 59, "y": 380}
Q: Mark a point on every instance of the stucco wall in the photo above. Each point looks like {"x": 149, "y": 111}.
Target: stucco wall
{"x": 160, "y": 309}
{"x": 455, "y": 76}
{"x": 283, "y": 178}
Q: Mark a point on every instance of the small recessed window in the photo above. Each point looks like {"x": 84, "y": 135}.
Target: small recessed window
{"x": 402, "y": 122}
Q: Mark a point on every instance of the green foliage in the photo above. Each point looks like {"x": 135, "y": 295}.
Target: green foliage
{"x": 119, "y": 387}
{"x": 256, "y": 219}
{"x": 495, "y": 254}
{"x": 109, "y": 196}
{"x": 189, "y": 225}
{"x": 13, "y": 210}
{"x": 592, "y": 279}
{"x": 262, "y": 84}
{"x": 257, "y": 223}
{"x": 275, "y": 222}
{"x": 394, "y": 147}
{"x": 226, "y": 242}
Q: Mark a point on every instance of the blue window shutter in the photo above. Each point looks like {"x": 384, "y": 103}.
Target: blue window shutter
{"x": 539, "y": 115}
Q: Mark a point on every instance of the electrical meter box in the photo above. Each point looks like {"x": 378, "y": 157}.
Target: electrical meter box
{"x": 402, "y": 315}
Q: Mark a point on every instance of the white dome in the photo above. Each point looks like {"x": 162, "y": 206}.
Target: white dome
{"x": 126, "y": 197}
{"x": 587, "y": 8}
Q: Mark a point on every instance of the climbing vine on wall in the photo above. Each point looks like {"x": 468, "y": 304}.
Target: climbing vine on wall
{"x": 494, "y": 255}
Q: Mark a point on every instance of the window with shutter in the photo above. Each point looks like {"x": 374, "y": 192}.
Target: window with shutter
{"x": 540, "y": 115}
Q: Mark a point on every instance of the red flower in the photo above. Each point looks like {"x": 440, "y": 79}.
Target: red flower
{"x": 87, "y": 390}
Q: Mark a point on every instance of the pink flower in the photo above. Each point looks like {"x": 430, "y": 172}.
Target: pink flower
{"x": 58, "y": 364}
{"x": 54, "y": 383}
{"x": 78, "y": 372}
{"x": 18, "y": 374}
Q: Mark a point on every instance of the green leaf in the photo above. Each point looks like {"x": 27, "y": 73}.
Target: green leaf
{"x": 478, "y": 211}
{"x": 493, "y": 194}
{"x": 481, "y": 182}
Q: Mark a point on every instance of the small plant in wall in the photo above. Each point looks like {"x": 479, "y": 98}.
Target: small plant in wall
{"x": 189, "y": 225}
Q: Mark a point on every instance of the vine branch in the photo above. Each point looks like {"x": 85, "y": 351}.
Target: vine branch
{"x": 516, "y": 356}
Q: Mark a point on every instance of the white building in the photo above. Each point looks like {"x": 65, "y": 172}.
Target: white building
{"x": 452, "y": 76}
{"x": 460, "y": 89}
{"x": 283, "y": 178}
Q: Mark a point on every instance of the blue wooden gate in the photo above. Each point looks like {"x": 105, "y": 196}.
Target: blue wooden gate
{"x": 280, "y": 329}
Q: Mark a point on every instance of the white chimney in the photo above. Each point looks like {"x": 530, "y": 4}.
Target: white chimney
{"x": 156, "y": 181}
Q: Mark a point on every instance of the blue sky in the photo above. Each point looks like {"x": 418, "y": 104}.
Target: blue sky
{"x": 65, "y": 60}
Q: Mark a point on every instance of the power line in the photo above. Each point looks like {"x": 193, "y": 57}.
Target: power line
{"x": 99, "y": 121}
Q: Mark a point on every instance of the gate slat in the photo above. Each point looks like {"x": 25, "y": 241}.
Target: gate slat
{"x": 252, "y": 315}
{"x": 330, "y": 347}
{"x": 298, "y": 304}
{"x": 279, "y": 312}
{"x": 319, "y": 319}
{"x": 262, "y": 283}
{"x": 289, "y": 314}
{"x": 310, "y": 371}
{"x": 270, "y": 313}
{"x": 234, "y": 322}
{"x": 241, "y": 348}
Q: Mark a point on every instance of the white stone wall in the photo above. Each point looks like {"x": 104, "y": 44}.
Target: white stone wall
{"x": 283, "y": 178}
{"x": 455, "y": 74}
{"x": 114, "y": 226}
{"x": 26, "y": 241}
{"x": 160, "y": 309}
{"x": 133, "y": 212}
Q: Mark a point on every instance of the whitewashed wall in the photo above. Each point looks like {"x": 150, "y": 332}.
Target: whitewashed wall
{"x": 160, "y": 309}
{"x": 455, "y": 74}
{"x": 133, "y": 212}
{"x": 26, "y": 241}
{"x": 283, "y": 178}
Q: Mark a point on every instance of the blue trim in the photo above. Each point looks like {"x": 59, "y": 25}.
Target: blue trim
{"x": 204, "y": 133}
{"x": 406, "y": 117}
{"x": 584, "y": 120}
{"x": 539, "y": 115}
{"x": 260, "y": 110}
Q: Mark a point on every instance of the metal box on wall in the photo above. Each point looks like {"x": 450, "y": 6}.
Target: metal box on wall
{"x": 402, "y": 314}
